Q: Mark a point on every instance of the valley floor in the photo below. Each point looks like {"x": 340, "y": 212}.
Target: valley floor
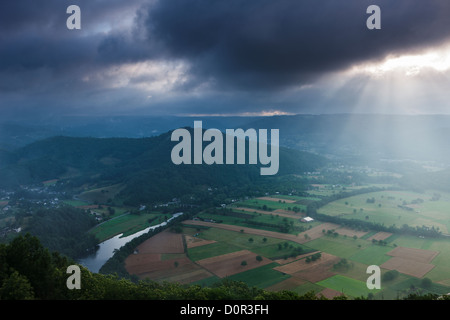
{"x": 326, "y": 258}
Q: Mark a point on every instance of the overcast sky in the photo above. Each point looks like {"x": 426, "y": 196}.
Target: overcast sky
{"x": 245, "y": 57}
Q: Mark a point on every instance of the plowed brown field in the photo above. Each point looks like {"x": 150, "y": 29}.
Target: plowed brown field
{"x": 411, "y": 261}
{"x": 310, "y": 271}
{"x": 230, "y": 263}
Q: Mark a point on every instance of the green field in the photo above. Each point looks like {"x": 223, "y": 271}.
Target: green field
{"x": 360, "y": 253}
{"x": 261, "y": 277}
{"x": 270, "y": 221}
{"x": 394, "y": 208}
{"x": 229, "y": 241}
{"x": 355, "y": 270}
{"x": 339, "y": 246}
{"x": 296, "y": 198}
{"x": 325, "y": 190}
{"x": 348, "y": 286}
{"x": 349, "y": 271}
{"x": 126, "y": 224}
{"x": 101, "y": 195}
{"x": 372, "y": 255}
{"x": 307, "y": 288}
{"x": 405, "y": 285}
{"x": 211, "y": 250}
{"x": 118, "y": 219}
{"x": 441, "y": 271}
{"x": 269, "y": 205}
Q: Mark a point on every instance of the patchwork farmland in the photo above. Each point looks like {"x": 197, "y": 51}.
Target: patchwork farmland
{"x": 242, "y": 242}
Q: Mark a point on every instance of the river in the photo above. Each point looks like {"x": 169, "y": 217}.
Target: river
{"x": 106, "y": 249}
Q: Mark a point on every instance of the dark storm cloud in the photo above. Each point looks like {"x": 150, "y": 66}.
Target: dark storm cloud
{"x": 37, "y": 49}
{"x": 272, "y": 44}
{"x": 240, "y": 54}
{"x": 230, "y": 43}
{"x": 34, "y": 33}
{"x": 22, "y": 15}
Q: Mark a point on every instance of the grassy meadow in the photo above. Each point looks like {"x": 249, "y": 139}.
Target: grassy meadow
{"x": 127, "y": 224}
{"x": 395, "y": 208}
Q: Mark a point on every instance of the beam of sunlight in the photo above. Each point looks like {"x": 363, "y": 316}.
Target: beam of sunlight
{"x": 408, "y": 84}
{"x": 436, "y": 59}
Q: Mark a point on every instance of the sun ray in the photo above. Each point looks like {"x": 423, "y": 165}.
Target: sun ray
{"x": 435, "y": 59}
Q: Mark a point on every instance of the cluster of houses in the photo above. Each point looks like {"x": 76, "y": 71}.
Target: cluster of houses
{"x": 41, "y": 196}
{"x": 174, "y": 201}
{"x": 49, "y": 203}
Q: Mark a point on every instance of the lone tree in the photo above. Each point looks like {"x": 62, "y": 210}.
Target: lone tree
{"x": 243, "y": 263}
{"x": 426, "y": 282}
{"x": 390, "y": 275}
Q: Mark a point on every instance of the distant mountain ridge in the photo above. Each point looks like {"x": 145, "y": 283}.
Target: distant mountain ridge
{"x": 143, "y": 165}
{"x": 346, "y": 136}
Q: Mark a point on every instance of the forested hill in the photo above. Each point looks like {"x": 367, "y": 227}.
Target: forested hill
{"x": 142, "y": 165}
